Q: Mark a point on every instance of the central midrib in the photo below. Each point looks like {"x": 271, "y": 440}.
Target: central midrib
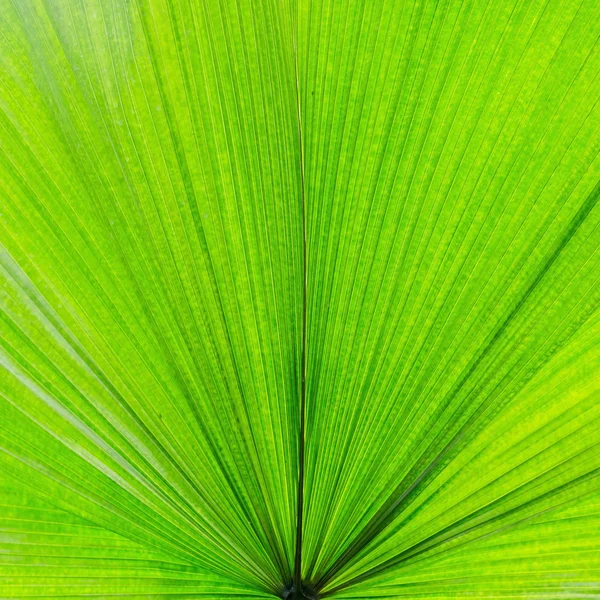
{"x": 297, "y": 575}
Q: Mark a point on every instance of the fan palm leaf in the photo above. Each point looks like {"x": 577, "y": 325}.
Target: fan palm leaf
{"x": 299, "y": 297}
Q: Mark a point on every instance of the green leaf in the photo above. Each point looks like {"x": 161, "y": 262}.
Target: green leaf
{"x": 299, "y": 293}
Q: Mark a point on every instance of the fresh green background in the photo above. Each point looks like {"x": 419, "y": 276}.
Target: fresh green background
{"x": 195, "y": 193}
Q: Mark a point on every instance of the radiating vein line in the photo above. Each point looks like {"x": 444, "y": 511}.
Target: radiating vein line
{"x": 297, "y": 575}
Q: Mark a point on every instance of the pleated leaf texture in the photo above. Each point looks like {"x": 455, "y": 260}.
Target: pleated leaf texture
{"x": 299, "y": 299}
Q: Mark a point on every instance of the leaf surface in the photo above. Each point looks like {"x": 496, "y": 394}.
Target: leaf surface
{"x": 303, "y": 289}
